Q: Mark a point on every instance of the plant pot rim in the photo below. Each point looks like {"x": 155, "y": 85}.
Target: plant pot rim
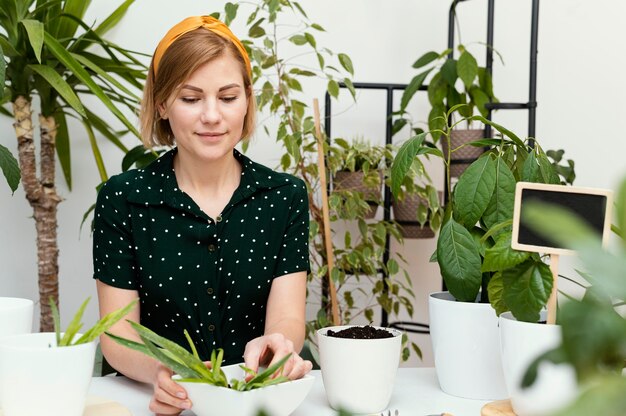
{"x": 509, "y": 317}
{"x": 393, "y": 331}
{"x": 14, "y": 303}
{"x": 446, "y": 296}
{"x": 9, "y": 342}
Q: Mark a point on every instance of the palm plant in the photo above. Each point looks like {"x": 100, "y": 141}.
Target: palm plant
{"x": 48, "y": 51}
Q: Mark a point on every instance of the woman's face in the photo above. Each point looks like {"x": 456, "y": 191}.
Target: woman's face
{"x": 207, "y": 113}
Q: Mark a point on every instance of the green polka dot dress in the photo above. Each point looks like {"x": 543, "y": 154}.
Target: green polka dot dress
{"x": 211, "y": 276}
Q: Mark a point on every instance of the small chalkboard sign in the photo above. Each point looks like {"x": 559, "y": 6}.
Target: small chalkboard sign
{"x": 592, "y": 206}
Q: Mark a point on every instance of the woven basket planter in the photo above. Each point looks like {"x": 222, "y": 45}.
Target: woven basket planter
{"x": 353, "y": 181}
{"x": 459, "y": 137}
{"x": 405, "y": 214}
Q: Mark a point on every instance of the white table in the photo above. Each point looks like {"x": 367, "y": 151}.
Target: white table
{"x": 416, "y": 393}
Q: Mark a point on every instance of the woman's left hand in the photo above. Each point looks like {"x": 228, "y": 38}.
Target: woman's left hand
{"x": 268, "y": 349}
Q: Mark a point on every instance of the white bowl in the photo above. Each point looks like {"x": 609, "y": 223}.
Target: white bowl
{"x": 277, "y": 400}
{"x": 16, "y": 316}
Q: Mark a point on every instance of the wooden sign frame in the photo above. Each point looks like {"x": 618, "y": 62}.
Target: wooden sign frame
{"x": 565, "y": 190}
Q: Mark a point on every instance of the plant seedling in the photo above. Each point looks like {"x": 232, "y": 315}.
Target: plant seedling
{"x": 75, "y": 325}
{"x": 191, "y": 368}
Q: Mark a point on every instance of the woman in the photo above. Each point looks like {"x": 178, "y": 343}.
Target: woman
{"x": 208, "y": 240}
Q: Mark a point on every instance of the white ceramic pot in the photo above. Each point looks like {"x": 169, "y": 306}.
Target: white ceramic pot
{"x": 466, "y": 348}
{"x": 359, "y": 374}
{"x": 38, "y": 378}
{"x": 16, "y": 316}
{"x": 521, "y": 343}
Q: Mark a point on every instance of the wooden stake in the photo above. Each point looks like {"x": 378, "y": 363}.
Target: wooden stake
{"x": 326, "y": 216}
{"x": 554, "y": 268}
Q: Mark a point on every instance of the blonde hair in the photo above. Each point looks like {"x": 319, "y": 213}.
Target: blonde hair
{"x": 179, "y": 62}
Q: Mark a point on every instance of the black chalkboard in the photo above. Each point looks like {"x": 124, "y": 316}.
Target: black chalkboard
{"x": 589, "y": 204}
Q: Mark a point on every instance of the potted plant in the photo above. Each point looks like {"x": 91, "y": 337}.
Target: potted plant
{"x": 54, "y": 63}
{"x": 453, "y": 82}
{"x": 215, "y": 390}
{"x": 48, "y": 373}
{"x": 593, "y": 329}
{"x": 359, "y": 365}
{"x": 476, "y": 261}
{"x": 279, "y": 81}
{"x": 357, "y": 169}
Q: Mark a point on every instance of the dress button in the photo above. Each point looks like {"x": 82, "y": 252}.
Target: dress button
{"x": 218, "y": 218}
{"x": 211, "y": 328}
{"x": 211, "y": 247}
{"x": 209, "y": 291}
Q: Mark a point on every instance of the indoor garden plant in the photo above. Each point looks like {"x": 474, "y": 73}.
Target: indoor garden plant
{"x": 476, "y": 261}
{"x": 50, "y": 372}
{"x": 216, "y": 390}
{"x": 452, "y": 82}
{"x": 47, "y": 51}
{"x": 593, "y": 329}
{"x": 279, "y": 83}
{"x": 357, "y": 168}
{"x": 349, "y": 384}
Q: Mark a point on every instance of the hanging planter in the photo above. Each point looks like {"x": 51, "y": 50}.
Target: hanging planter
{"x": 462, "y": 157}
{"x": 411, "y": 214}
{"x": 355, "y": 182}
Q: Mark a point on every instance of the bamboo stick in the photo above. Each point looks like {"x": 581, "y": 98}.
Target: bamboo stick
{"x": 325, "y": 214}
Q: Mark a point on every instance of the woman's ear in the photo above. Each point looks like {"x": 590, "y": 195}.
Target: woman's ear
{"x": 162, "y": 111}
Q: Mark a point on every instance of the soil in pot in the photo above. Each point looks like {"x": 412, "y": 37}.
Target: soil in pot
{"x": 360, "y": 332}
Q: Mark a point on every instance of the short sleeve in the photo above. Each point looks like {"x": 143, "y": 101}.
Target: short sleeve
{"x": 294, "y": 251}
{"x": 113, "y": 248}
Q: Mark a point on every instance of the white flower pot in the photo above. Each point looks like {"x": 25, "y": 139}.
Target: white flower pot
{"x": 466, "y": 348}
{"x": 359, "y": 374}
{"x": 521, "y": 343}
{"x": 16, "y": 316}
{"x": 38, "y": 378}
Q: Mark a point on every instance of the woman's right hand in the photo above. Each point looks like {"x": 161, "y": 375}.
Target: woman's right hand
{"x": 169, "y": 397}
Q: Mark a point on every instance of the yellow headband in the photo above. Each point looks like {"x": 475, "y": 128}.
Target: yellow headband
{"x": 193, "y": 23}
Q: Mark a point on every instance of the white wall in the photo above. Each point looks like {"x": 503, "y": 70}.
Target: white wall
{"x": 580, "y": 95}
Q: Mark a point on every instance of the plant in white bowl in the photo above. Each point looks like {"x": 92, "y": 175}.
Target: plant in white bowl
{"x": 214, "y": 390}
{"x": 49, "y": 373}
{"x": 359, "y": 365}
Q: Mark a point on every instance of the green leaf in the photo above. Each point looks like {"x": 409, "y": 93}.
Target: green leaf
{"x": 346, "y": 63}
{"x": 35, "y": 30}
{"x": 231, "y": 12}
{"x": 63, "y": 148}
{"x": 10, "y": 168}
{"x": 75, "y": 67}
{"x": 503, "y": 130}
{"x": 114, "y": 18}
{"x": 459, "y": 260}
{"x": 474, "y": 190}
{"x": 61, "y": 86}
{"x": 448, "y": 72}
{"x": 495, "y": 289}
{"x": 105, "y": 75}
{"x": 333, "y": 88}
{"x": 425, "y": 59}
{"x": 182, "y": 354}
{"x": 3, "y": 68}
{"x": 500, "y": 207}
{"x": 404, "y": 160}
{"x": 414, "y": 86}
{"x": 480, "y": 99}
{"x": 105, "y": 323}
{"x": 74, "y": 326}
{"x": 530, "y": 169}
{"x": 67, "y": 27}
{"x": 527, "y": 288}
{"x": 298, "y": 40}
{"x": 467, "y": 69}
{"x": 501, "y": 256}
{"x": 398, "y": 125}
